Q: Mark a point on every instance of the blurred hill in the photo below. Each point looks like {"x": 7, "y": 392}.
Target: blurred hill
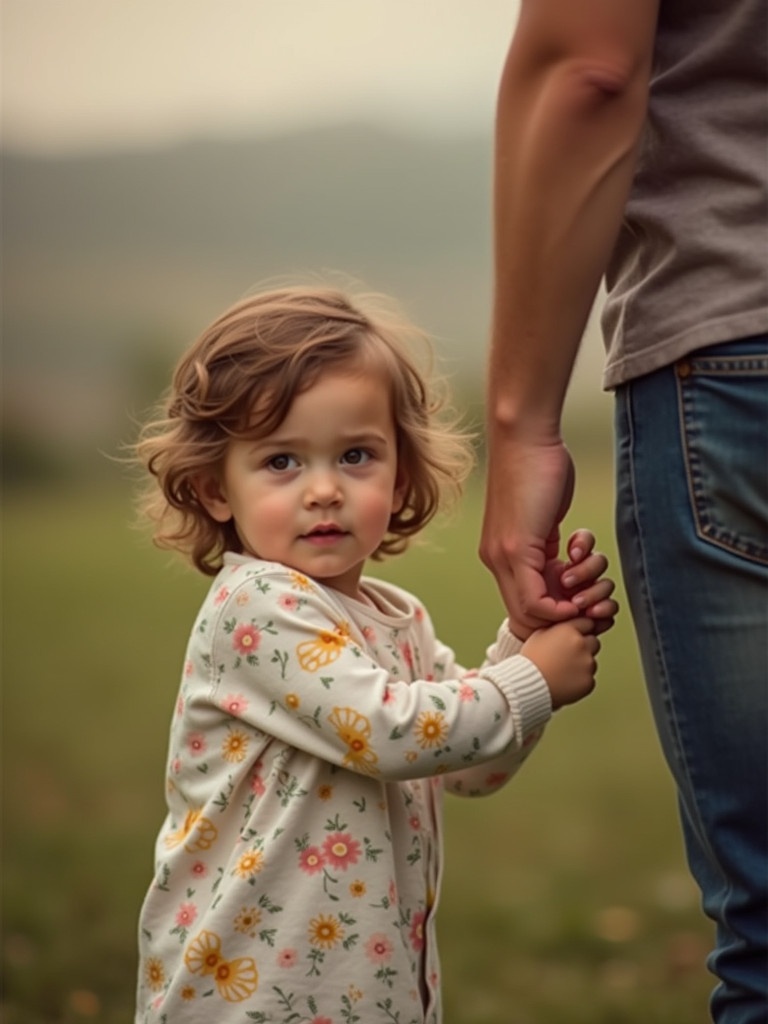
{"x": 113, "y": 262}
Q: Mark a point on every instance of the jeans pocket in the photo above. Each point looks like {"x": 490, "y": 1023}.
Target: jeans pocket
{"x": 723, "y": 404}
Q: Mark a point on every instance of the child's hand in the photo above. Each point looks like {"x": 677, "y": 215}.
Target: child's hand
{"x": 583, "y": 583}
{"x": 565, "y": 655}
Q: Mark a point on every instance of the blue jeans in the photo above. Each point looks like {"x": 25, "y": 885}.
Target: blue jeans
{"x": 692, "y": 526}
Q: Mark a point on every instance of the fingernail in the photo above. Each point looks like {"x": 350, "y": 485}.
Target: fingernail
{"x": 568, "y": 580}
{"x": 576, "y": 553}
{"x": 578, "y": 600}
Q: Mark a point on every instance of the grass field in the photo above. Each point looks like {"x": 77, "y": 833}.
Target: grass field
{"x": 566, "y": 898}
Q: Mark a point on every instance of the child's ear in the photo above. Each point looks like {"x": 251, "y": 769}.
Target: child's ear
{"x": 212, "y": 498}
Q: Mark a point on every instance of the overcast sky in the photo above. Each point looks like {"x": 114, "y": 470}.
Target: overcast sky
{"x": 100, "y": 73}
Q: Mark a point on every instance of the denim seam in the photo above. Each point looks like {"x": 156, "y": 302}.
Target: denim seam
{"x": 651, "y": 610}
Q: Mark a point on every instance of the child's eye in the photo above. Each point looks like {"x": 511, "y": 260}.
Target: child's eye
{"x": 356, "y": 457}
{"x": 281, "y": 463}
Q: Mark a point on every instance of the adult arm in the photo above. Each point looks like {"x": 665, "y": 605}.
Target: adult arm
{"x": 571, "y": 107}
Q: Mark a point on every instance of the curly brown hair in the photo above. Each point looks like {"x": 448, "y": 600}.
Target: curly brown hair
{"x": 238, "y": 380}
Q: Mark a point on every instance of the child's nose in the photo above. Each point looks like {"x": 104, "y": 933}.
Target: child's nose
{"x": 323, "y": 489}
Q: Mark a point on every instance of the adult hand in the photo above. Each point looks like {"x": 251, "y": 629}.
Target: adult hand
{"x": 529, "y": 491}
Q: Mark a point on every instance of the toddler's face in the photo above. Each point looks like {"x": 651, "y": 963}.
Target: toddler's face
{"x": 317, "y": 494}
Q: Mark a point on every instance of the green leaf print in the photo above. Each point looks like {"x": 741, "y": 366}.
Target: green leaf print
{"x": 347, "y": 1011}
{"x": 438, "y": 702}
{"x": 266, "y": 904}
{"x": 372, "y": 853}
{"x": 289, "y": 789}
{"x": 280, "y": 658}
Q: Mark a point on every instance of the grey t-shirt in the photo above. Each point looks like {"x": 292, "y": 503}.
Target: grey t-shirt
{"x": 690, "y": 267}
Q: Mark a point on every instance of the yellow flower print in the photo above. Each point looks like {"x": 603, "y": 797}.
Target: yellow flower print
{"x": 203, "y": 954}
{"x": 234, "y": 746}
{"x": 431, "y": 729}
{"x": 325, "y": 931}
{"x": 357, "y": 889}
{"x": 292, "y": 701}
{"x": 188, "y": 993}
{"x": 247, "y": 920}
{"x": 197, "y": 833}
{"x": 326, "y": 648}
{"x": 154, "y": 973}
{"x": 354, "y": 729}
{"x": 236, "y": 979}
{"x": 325, "y": 791}
{"x": 250, "y": 864}
{"x": 301, "y": 582}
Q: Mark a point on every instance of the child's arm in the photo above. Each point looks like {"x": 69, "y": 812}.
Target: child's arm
{"x": 284, "y": 662}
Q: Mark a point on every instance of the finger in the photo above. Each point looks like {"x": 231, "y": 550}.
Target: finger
{"x": 580, "y": 543}
{"x": 587, "y": 571}
{"x": 603, "y": 609}
{"x": 603, "y": 625}
{"x": 594, "y": 594}
{"x": 583, "y": 625}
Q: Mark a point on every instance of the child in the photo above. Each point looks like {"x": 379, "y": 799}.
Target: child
{"x": 319, "y": 719}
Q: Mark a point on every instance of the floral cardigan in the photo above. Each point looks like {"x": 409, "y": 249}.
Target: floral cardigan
{"x": 298, "y": 868}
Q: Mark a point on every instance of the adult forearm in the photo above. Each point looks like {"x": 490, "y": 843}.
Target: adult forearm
{"x": 566, "y": 138}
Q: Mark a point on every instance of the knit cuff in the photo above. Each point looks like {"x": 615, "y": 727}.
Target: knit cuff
{"x": 525, "y": 689}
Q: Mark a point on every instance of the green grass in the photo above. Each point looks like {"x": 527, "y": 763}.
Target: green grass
{"x": 565, "y": 901}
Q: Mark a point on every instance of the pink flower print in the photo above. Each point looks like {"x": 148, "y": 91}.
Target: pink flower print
{"x": 407, "y": 652}
{"x": 235, "y": 704}
{"x": 467, "y": 692}
{"x": 341, "y": 850}
{"x": 287, "y": 958}
{"x": 196, "y": 744}
{"x": 176, "y": 765}
{"x": 392, "y": 892}
{"x": 415, "y": 822}
{"x": 180, "y": 706}
{"x": 221, "y": 595}
{"x": 199, "y": 869}
{"x": 311, "y": 860}
{"x": 496, "y": 778}
{"x": 246, "y": 638}
{"x": 289, "y": 602}
{"x": 379, "y": 949}
{"x": 389, "y": 695}
{"x": 369, "y": 633}
{"x": 257, "y": 785}
{"x": 189, "y": 667}
{"x": 185, "y": 915}
{"x": 417, "y": 930}
{"x": 321, "y": 1020}
{"x": 418, "y": 613}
